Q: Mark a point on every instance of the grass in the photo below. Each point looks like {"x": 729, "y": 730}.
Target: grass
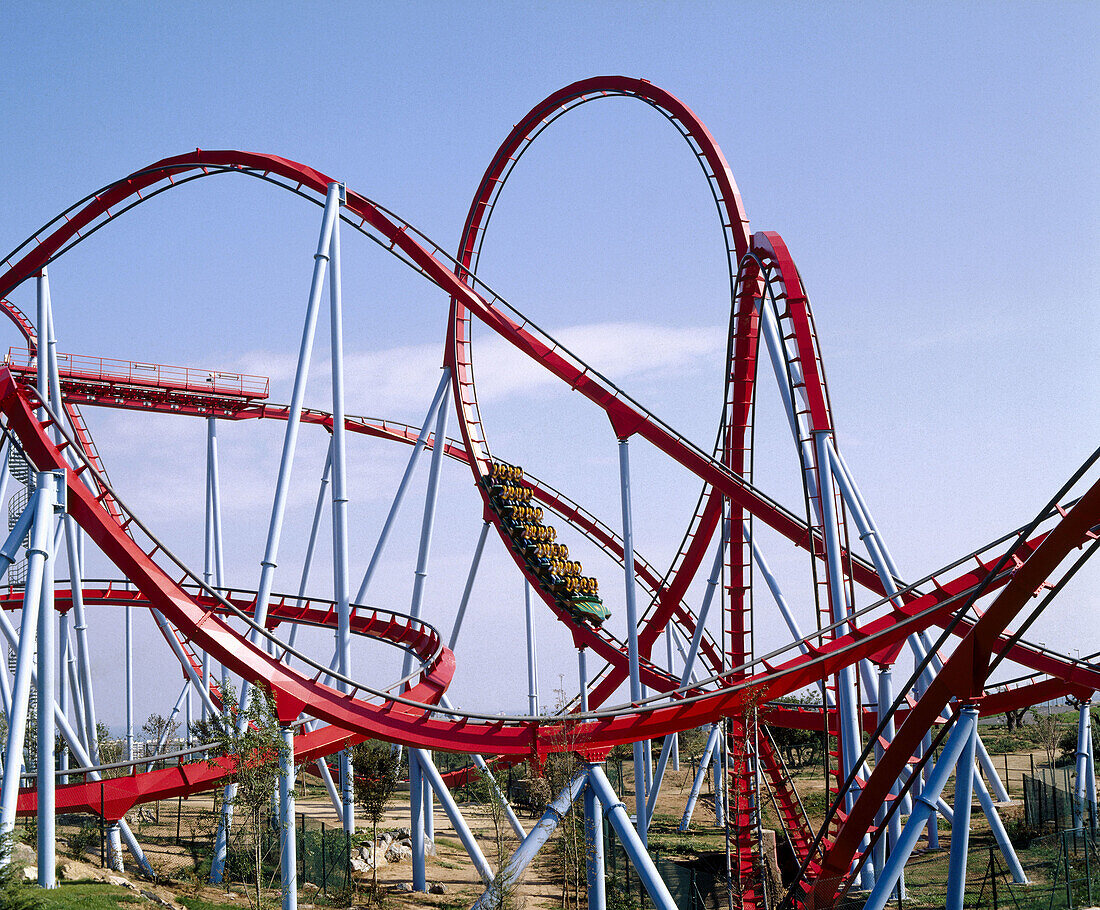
{"x": 193, "y": 902}
{"x": 101, "y": 896}
{"x": 665, "y": 836}
{"x": 92, "y": 896}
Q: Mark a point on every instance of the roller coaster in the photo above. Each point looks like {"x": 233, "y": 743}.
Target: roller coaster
{"x": 893, "y": 744}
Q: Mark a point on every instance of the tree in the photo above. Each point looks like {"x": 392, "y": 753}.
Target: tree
{"x": 1046, "y": 722}
{"x": 1014, "y": 718}
{"x": 1067, "y": 744}
{"x": 160, "y": 729}
{"x": 252, "y": 743}
{"x": 799, "y": 747}
{"x": 377, "y": 768}
{"x": 110, "y": 750}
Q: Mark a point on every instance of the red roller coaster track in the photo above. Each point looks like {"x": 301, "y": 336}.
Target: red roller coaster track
{"x": 1006, "y": 575}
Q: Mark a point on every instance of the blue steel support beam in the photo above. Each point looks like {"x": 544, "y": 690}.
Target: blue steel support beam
{"x": 888, "y": 573}
{"x": 311, "y": 545}
{"x": 468, "y": 589}
{"x": 999, "y": 832}
{"x": 434, "y": 781}
{"x": 924, "y": 807}
{"x": 1084, "y": 731}
{"x": 532, "y": 653}
{"x": 1090, "y": 786}
{"x": 416, "y": 823}
{"x": 960, "y": 825}
{"x": 534, "y": 841}
{"x": 631, "y": 841}
{"x": 269, "y": 561}
{"x": 340, "y": 579}
{"x": 700, "y": 776}
{"x": 632, "y": 631}
{"x": 431, "y": 498}
{"x": 68, "y": 734}
{"x": 399, "y": 496}
{"x": 288, "y": 853}
{"x": 37, "y": 517}
{"x": 52, "y": 487}
{"x": 594, "y": 850}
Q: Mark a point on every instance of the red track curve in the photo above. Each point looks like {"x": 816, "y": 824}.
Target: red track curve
{"x": 410, "y": 720}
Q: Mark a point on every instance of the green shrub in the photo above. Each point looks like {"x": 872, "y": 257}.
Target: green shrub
{"x": 85, "y": 840}
{"x": 15, "y": 893}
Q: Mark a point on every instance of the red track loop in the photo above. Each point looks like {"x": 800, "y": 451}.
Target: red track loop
{"x": 397, "y": 719}
{"x": 763, "y": 273}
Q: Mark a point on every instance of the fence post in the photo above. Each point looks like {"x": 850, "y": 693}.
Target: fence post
{"x": 102, "y": 831}
{"x": 1088, "y": 871}
{"x": 993, "y": 875}
{"x": 1065, "y": 866}
{"x": 626, "y": 869}
{"x": 324, "y": 863}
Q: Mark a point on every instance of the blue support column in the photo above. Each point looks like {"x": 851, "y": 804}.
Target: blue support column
{"x": 960, "y": 824}
{"x": 686, "y": 677}
{"x": 36, "y": 517}
{"x": 999, "y": 832}
{"x": 582, "y": 672}
{"x": 925, "y": 748}
{"x": 52, "y": 487}
{"x": 719, "y": 785}
{"x": 534, "y": 841}
{"x": 1084, "y": 731}
{"x": 632, "y": 631}
{"x": 62, "y": 689}
{"x": 631, "y": 841}
{"x": 468, "y": 589}
{"x": 269, "y": 561}
{"x": 1090, "y": 785}
{"x": 70, "y": 736}
{"x": 847, "y": 702}
{"x": 887, "y": 571}
{"x": 884, "y": 700}
{"x": 594, "y": 851}
{"x": 700, "y": 776}
{"x": 311, "y": 547}
{"x": 288, "y": 865}
{"x": 429, "y": 804}
{"x": 433, "y": 780}
{"x": 416, "y": 807}
{"x": 427, "y": 524}
{"x": 340, "y": 579}
{"x": 402, "y": 487}
{"x": 924, "y": 807}
{"x": 674, "y": 738}
{"x": 532, "y": 653}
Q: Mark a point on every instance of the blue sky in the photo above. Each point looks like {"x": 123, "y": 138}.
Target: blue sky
{"x": 931, "y": 166}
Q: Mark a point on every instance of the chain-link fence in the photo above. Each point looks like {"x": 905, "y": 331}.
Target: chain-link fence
{"x": 698, "y": 884}
{"x": 1049, "y": 800}
{"x": 178, "y": 839}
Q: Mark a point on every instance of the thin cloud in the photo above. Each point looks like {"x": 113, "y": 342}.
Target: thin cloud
{"x": 400, "y": 380}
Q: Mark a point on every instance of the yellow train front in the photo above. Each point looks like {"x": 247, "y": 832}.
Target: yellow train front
{"x": 537, "y": 544}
